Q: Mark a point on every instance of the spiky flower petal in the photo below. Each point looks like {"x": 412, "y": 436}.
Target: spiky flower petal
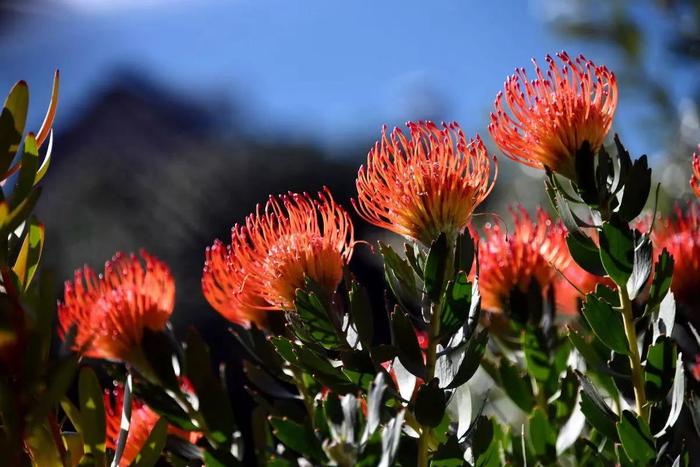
{"x": 534, "y": 251}
{"x": 548, "y": 118}
{"x": 292, "y": 239}
{"x": 109, "y": 312}
{"x": 425, "y": 183}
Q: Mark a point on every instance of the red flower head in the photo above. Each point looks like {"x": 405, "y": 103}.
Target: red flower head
{"x": 550, "y": 117}
{"x": 680, "y": 235}
{"x": 110, "y": 311}
{"x": 295, "y": 237}
{"x": 534, "y": 251}
{"x": 695, "y": 179}
{"x": 142, "y": 421}
{"x": 424, "y": 184}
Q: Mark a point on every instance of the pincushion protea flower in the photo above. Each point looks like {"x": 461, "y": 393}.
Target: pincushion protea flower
{"x": 695, "y": 179}
{"x": 533, "y": 251}
{"x": 294, "y": 238}
{"x": 680, "y": 235}
{"x": 142, "y": 421}
{"x": 424, "y": 184}
{"x": 111, "y": 311}
{"x": 550, "y": 117}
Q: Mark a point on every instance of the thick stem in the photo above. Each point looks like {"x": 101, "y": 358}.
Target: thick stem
{"x": 430, "y": 359}
{"x": 635, "y": 360}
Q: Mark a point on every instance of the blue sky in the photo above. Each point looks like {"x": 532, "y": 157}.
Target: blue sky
{"x": 323, "y": 70}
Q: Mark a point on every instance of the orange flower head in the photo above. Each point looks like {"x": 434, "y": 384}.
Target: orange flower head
{"x": 425, "y": 183}
{"x": 680, "y": 235}
{"x": 550, "y": 117}
{"x": 111, "y": 311}
{"x": 293, "y": 238}
{"x": 534, "y": 251}
{"x": 142, "y": 421}
{"x": 695, "y": 179}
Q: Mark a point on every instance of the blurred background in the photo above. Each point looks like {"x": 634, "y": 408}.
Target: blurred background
{"x": 177, "y": 116}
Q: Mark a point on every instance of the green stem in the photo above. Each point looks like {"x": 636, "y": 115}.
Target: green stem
{"x": 306, "y": 397}
{"x": 430, "y": 359}
{"x": 635, "y": 361}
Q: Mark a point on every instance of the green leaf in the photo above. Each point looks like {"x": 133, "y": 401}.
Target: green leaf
{"x": 297, "y": 437}
{"x": 597, "y": 412}
{"x": 606, "y": 324}
{"x": 585, "y": 253}
{"x": 459, "y": 294}
{"x": 659, "y": 368}
{"x": 464, "y": 252}
{"x": 323, "y": 371}
{"x": 641, "y": 268}
{"x": 11, "y": 219}
{"x": 485, "y": 443}
{"x": 635, "y": 437}
{"x": 476, "y": 345}
{"x": 409, "y": 351}
{"x": 214, "y": 404}
{"x": 399, "y": 273}
{"x": 516, "y": 387}
{"x": 661, "y": 282}
{"x": 284, "y": 348}
{"x": 584, "y": 163}
{"x": 637, "y": 188}
{"x": 73, "y": 414}
{"x": 150, "y": 452}
{"x": 266, "y": 383}
{"x": 92, "y": 415}
{"x": 27, "y": 172}
{"x": 311, "y": 321}
{"x": 361, "y": 314}
{"x": 12, "y": 121}
{"x": 542, "y": 436}
{"x": 415, "y": 257}
{"x": 677, "y": 395}
{"x": 159, "y": 351}
{"x": 449, "y": 454}
{"x": 436, "y": 268}
{"x": 30, "y": 253}
{"x": 536, "y": 357}
{"x": 430, "y": 404}
{"x": 617, "y": 250}
{"x": 161, "y": 403}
